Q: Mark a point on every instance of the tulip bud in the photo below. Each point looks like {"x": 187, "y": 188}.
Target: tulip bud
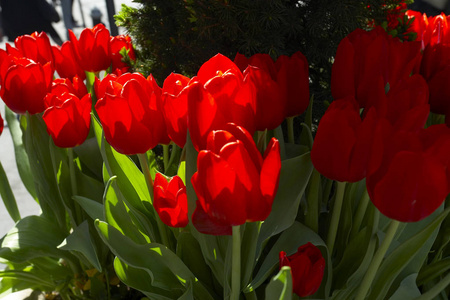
{"x": 307, "y": 268}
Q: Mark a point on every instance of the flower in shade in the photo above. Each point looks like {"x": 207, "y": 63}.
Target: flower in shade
{"x": 270, "y": 106}
{"x": 93, "y": 48}
{"x": 130, "y": 112}
{"x": 234, "y": 183}
{"x": 293, "y": 79}
{"x": 170, "y": 200}
{"x": 344, "y": 142}
{"x": 68, "y": 118}
{"x": 216, "y": 96}
{"x": 174, "y": 98}
{"x": 365, "y": 56}
{"x": 307, "y": 269}
{"x": 24, "y": 84}
{"x": 282, "y": 87}
{"x": 412, "y": 179}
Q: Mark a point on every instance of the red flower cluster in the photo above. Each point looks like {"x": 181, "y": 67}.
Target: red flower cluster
{"x": 27, "y": 85}
{"x": 434, "y": 35}
{"x": 403, "y": 163}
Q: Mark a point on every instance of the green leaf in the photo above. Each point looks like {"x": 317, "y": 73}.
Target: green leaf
{"x": 139, "y": 279}
{"x": 117, "y": 214}
{"x": 8, "y": 196}
{"x": 280, "y": 286}
{"x": 165, "y": 268}
{"x": 37, "y": 143}
{"x": 407, "y": 290}
{"x": 23, "y": 165}
{"x": 90, "y": 156}
{"x": 31, "y": 237}
{"x": 190, "y": 252}
{"x": 411, "y": 251}
{"x": 80, "y": 240}
{"x": 91, "y": 207}
{"x": 433, "y": 270}
{"x": 294, "y": 177}
{"x": 34, "y": 279}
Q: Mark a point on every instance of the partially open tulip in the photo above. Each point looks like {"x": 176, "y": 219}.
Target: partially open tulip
{"x": 36, "y": 47}
{"x": 93, "y": 48}
{"x": 75, "y": 86}
{"x": 24, "y": 84}
{"x": 219, "y": 95}
{"x": 68, "y": 119}
{"x": 170, "y": 200}
{"x": 130, "y": 113}
{"x": 66, "y": 61}
{"x": 234, "y": 183}
{"x": 307, "y": 269}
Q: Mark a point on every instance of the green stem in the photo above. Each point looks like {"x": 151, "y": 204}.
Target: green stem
{"x": 312, "y": 216}
{"x": 360, "y": 213}
{"x": 165, "y": 157}
{"x": 236, "y": 264}
{"x": 334, "y": 224}
{"x": 376, "y": 261}
{"x": 73, "y": 183}
{"x": 436, "y": 289}
{"x": 290, "y": 128}
{"x": 149, "y": 181}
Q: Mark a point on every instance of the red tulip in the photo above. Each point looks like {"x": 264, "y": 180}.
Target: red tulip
{"x": 344, "y": 143}
{"x": 117, "y": 44}
{"x": 25, "y": 84}
{"x": 219, "y": 95}
{"x": 175, "y": 103}
{"x": 405, "y": 106}
{"x": 260, "y": 71}
{"x": 36, "y": 47}
{"x": 76, "y": 87}
{"x": 130, "y": 114}
{"x": 412, "y": 179}
{"x": 364, "y": 56}
{"x": 66, "y": 62}
{"x": 170, "y": 200}
{"x": 270, "y": 104}
{"x": 293, "y": 80}
{"x": 307, "y": 269}
{"x": 93, "y": 48}
{"x": 68, "y": 119}
{"x": 234, "y": 183}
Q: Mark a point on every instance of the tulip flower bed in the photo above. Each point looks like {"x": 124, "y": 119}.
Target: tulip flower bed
{"x": 189, "y": 190}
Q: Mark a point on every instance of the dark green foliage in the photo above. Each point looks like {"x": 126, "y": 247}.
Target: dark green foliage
{"x": 179, "y": 36}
